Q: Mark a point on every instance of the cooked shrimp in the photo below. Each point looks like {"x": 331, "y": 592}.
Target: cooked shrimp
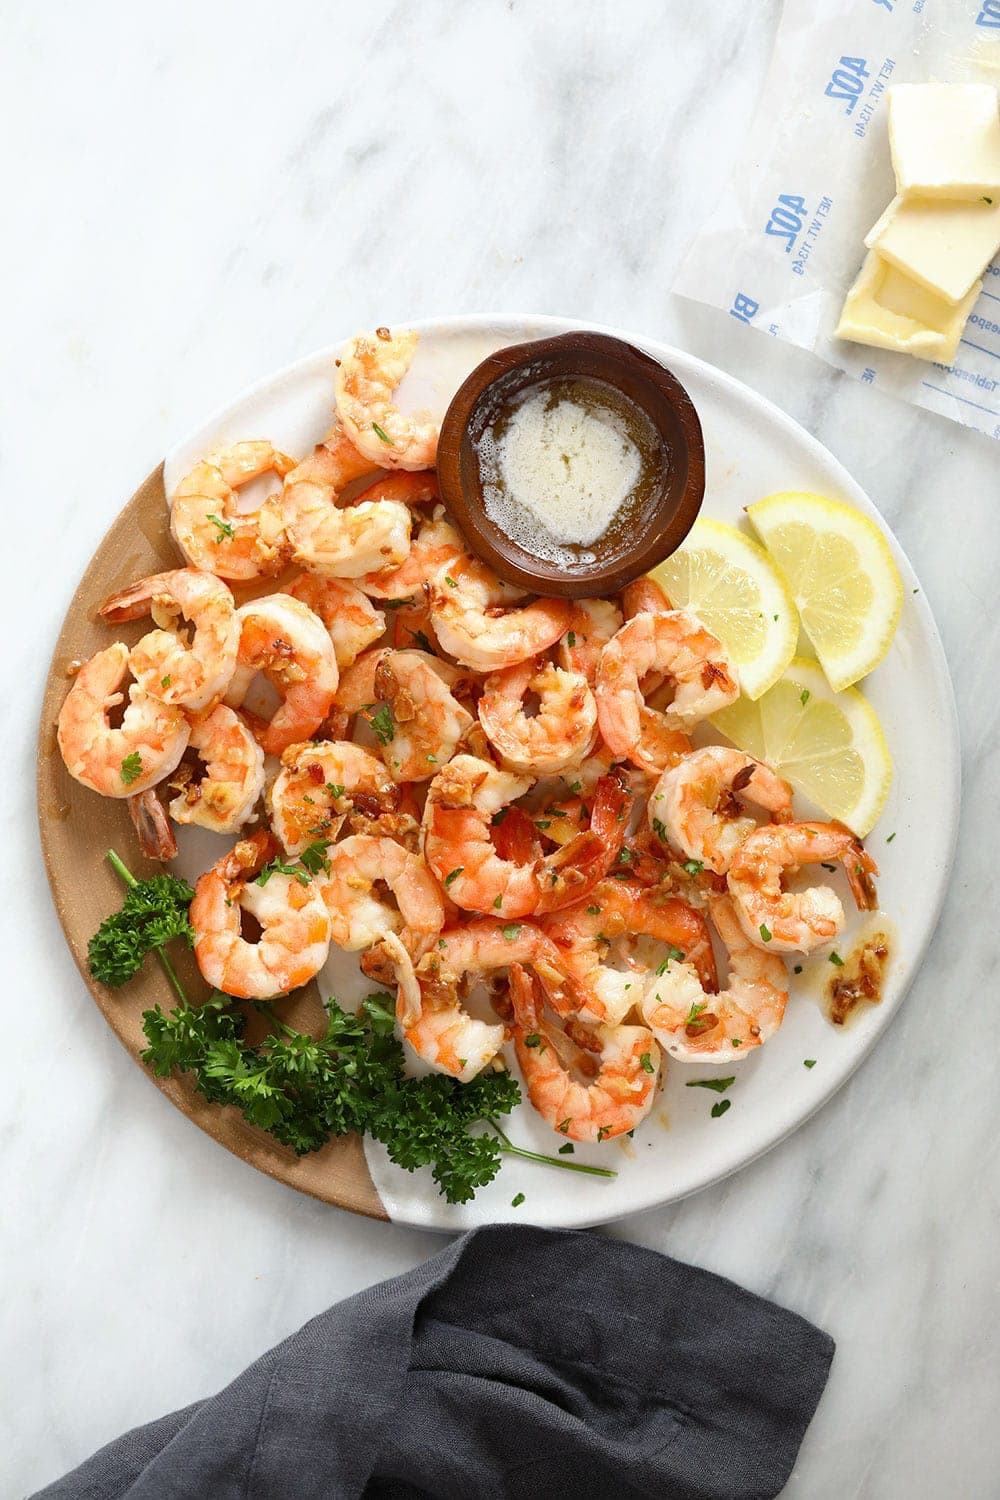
{"x": 433, "y": 1021}
{"x": 613, "y": 1102}
{"x": 348, "y": 614}
{"x": 342, "y": 541}
{"x": 147, "y": 744}
{"x": 208, "y": 525}
{"x": 411, "y": 626}
{"x": 290, "y": 645}
{"x": 429, "y": 1005}
{"x": 694, "y": 1025}
{"x": 152, "y": 826}
{"x": 468, "y": 607}
{"x": 294, "y": 926}
{"x": 593, "y": 623}
{"x": 436, "y": 543}
{"x": 359, "y": 916}
{"x": 223, "y": 798}
{"x": 169, "y": 668}
{"x": 675, "y": 644}
{"x": 643, "y": 596}
{"x": 562, "y": 730}
{"x": 696, "y": 804}
{"x": 463, "y": 800}
{"x": 801, "y": 921}
{"x": 416, "y": 718}
{"x": 606, "y": 925}
{"x": 368, "y": 372}
{"x": 318, "y": 785}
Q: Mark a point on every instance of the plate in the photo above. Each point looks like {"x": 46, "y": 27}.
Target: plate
{"x": 752, "y": 448}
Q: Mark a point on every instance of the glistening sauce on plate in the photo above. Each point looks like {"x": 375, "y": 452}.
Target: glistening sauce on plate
{"x": 567, "y": 467}
{"x": 857, "y": 980}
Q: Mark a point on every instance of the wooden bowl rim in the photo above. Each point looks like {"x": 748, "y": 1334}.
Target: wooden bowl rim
{"x": 681, "y": 496}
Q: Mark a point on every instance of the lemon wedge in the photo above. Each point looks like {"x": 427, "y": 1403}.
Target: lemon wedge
{"x": 829, "y": 745}
{"x": 732, "y": 585}
{"x": 841, "y": 574}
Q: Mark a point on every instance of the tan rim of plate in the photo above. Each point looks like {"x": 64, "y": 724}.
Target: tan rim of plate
{"x": 77, "y": 827}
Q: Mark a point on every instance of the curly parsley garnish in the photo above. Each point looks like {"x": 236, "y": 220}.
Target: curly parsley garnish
{"x": 153, "y": 913}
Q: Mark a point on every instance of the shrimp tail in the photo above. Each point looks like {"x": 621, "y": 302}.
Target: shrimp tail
{"x": 861, "y": 870}
{"x": 577, "y": 867}
{"x": 129, "y": 604}
{"x": 524, "y": 998}
{"x": 153, "y": 826}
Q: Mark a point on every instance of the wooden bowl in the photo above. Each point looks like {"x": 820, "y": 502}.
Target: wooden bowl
{"x": 667, "y": 513}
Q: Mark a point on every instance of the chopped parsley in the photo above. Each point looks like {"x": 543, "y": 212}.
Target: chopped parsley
{"x": 646, "y": 1063}
{"x": 720, "y": 1108}
{"x": 382, "y": 435}
{"x": 717, "y": 1085}
{"x": 804, "y": 696}
{"x": 452, "y": 876}
{"x": 566, "y": 1150}
{"x": 511, "y": 930}
{"x": 314, "y": 858}
{"x": 335, "y": 789}
{"x": 277, "y": 867}
{"x": 383, "y": 724}
{"x": 693, "y": 866}
{"x": 835, "y": 958}
{"x": 226, "y": 528}
{"x": 765, "y": 933}
{"x": 672, "y": 954}
{"x": 534, "y": 1040}
{"x": 517, "y": 1200}
{"x": 659, "y": 828}
{"x": 808, "y": 1062}
{"x": 131, "y": 768}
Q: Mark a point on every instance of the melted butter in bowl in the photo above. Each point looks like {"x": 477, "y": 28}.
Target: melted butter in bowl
{"x": 572, "y": 465}
{"x": 566, "y": 463}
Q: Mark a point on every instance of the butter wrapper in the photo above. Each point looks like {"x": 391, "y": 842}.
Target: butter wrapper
{"x": 786, "y": 240}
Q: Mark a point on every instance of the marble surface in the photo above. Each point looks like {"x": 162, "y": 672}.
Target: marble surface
{"x": 200, "y": 200}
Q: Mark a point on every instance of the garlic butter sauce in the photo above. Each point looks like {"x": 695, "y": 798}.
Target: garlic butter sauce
{"x": 566, "y": 465}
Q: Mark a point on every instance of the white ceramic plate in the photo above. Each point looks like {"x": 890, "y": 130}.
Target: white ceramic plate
{"x": 752, "y": 449}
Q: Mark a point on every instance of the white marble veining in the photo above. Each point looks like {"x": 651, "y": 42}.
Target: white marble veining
{"x": 199, "y": 194}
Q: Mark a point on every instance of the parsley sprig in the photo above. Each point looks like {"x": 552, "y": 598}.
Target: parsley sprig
{"x": 153, "y": 913}
{"x": 303, "y": 1089}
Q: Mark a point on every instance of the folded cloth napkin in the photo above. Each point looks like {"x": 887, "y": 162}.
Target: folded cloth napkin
{"x": 517, "y": 1363}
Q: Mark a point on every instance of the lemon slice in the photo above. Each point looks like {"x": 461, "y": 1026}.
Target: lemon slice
{"x": 731, "y": 584}
{"x": 842, "y": 575}
{"x": 829, "y": 745}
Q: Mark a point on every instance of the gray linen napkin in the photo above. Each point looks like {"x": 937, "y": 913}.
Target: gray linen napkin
{"x": 519, "y": 1363}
